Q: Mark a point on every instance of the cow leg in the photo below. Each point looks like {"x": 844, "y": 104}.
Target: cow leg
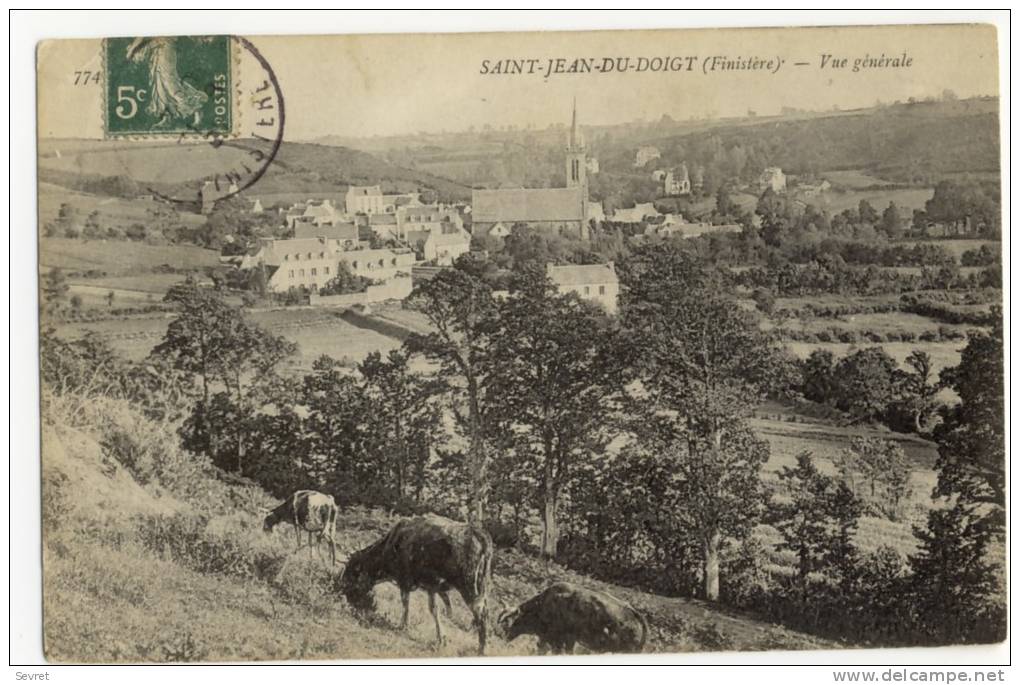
{"x": 405, "y": 600}
{"x": 568, "y": 646}
{"x": 445, "y": 596}
{"x": 543, "y": 647}
{"x": 481, "y": 615}
{"x": 435, "y": 617}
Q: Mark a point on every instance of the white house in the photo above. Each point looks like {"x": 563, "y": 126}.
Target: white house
{"x": 595, "y": 282}
{"x": 774, "y": 178}
{"x": 364, "y": 200}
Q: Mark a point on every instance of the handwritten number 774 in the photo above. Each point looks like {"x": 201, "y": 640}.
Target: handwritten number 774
{"x": 82, "y": 78}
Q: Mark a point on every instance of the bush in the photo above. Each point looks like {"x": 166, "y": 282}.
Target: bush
{"x": 187, "y": 539}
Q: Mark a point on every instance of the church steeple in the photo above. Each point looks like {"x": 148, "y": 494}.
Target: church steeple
{"x": 577, "y": 168}
{"x": 576, "y": 156}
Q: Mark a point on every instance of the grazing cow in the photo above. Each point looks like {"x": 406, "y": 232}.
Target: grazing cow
{"x": 310, "y": 511}
{"x": 433, "y": 554}
{"x": 564, "y": 614}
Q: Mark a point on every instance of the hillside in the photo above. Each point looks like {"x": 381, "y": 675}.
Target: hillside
{"x": 171, "y": 168}
{"x": 905, "y": 143}
{"x": 150, "y": 555}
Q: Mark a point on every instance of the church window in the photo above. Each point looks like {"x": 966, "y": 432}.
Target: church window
{"x": 602, "y": 290}
{"x": 587, "y": 290}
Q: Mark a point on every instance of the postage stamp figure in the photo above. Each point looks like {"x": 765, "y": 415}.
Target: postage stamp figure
{"x": 169, "y": 86}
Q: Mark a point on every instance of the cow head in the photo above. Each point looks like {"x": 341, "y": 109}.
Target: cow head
{"x": 268, "y": 522}
{"x": 507, "y": 618}
{"x": 356, "y": 583}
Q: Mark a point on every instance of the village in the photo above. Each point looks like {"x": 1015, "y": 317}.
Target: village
{"x": 387, "y": 240}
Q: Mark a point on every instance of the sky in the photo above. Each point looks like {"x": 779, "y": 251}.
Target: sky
{"x": 360, "y": 86}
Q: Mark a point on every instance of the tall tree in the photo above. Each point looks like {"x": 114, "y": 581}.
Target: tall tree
{"x": 401, "y": 405}
{"x": 959, "y": 596}
{"x": 459, "y": 308}
{"x": 211, "y": 340}
{"x": 971, "y": 438}
{"x": 817, "y": 516}
{"x": 558, "y": 366}
{"x": 918, "y": 389}
{"x": 704, "y": 361}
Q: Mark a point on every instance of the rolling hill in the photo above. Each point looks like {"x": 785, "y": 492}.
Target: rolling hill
{"x": 904, "y": 143}
{"x": 177, "y": 169}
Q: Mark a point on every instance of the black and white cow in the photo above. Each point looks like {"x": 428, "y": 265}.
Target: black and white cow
{"x": 310, "y": 511}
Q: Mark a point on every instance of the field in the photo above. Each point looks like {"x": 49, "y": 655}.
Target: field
{"x": 113, "y": 212}
{"x": 121, "y": 257}
{"x": 881, "y": 323}
{"x": 958, "y": 247}
{"x": 854, "y": 179}
{"x": 943, "y": 354}
{"x": 316, "y": 331}
{"x": 178, "y": 162}
{"x": 835, "y": 201}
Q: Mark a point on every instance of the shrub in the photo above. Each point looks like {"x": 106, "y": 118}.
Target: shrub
{"x": 712, "y": 638}
{"x": 188, "y": 540}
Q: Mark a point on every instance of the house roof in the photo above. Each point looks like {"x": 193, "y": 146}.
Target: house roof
{"x": 337, "y": 231}
{"x": 382, "y": 219}
{"x": 635, "y": 213}
{"x": 458, "y": 238}
{"x": 274, "y": 250}
{"x": 364, "y": 190}
{"x": 321, "y": 210}
{"x": 581, "y": 274}
{"x": 527, "y": 204}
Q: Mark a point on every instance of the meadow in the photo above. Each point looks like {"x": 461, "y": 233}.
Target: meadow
{"x": 121, "y": 257}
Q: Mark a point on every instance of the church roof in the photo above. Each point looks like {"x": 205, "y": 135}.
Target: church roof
{"x": 527, "y": 204}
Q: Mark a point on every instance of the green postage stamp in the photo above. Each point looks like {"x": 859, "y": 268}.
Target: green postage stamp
{"x": 168, "y": 86}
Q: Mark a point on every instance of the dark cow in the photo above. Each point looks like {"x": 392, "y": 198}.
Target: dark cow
{"x": 310, "y": 511}
{"x": 433, "y": 554}
{"x": 564, "y": 614}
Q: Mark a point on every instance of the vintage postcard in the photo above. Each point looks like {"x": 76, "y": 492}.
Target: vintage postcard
{"x": 511, "y": 344}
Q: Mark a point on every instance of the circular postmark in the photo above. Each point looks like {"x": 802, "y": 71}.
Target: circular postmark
{"x": 225, "y": 161}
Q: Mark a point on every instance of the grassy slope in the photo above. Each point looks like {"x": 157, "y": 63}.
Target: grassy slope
{"x": 298, "y": 167}
{"x": 887, "y": 142}
{"x": 110, "y": 597}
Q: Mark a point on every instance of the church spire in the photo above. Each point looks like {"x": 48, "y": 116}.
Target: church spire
{"x": 573, "y": 125}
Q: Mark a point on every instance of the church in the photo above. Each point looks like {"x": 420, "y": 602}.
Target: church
{"x": 557, "y": 211}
